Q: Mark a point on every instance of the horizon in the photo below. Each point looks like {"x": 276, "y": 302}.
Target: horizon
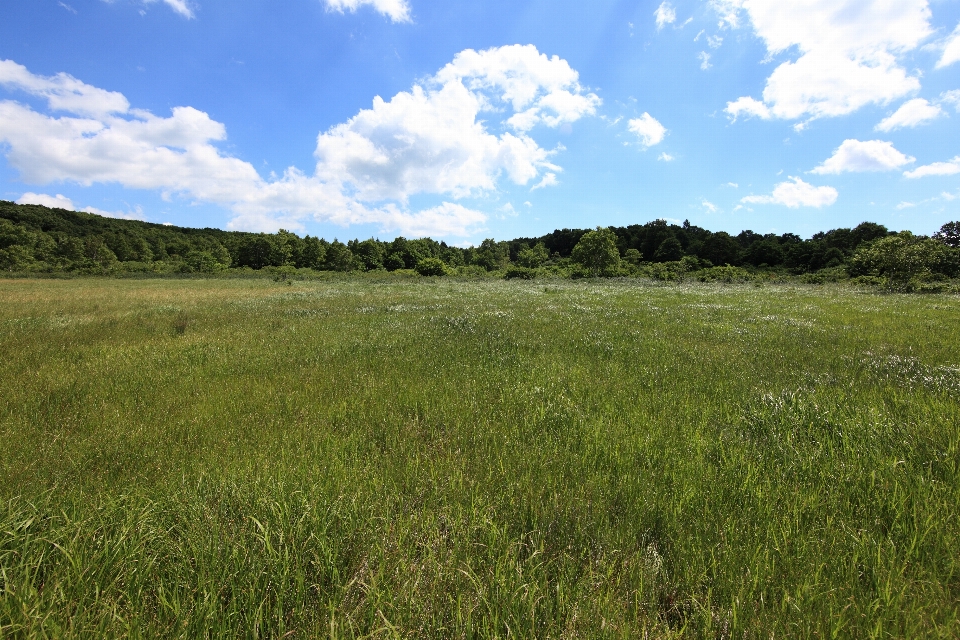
{"x": 382, "y": 118}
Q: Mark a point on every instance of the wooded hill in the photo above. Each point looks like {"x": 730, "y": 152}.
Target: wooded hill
{"x": 35, "y": 238}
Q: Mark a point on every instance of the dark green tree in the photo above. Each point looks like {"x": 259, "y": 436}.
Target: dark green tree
{"x": 949, "y": 234}
{"x": 339, "y": 257}
{"x": 669, "y": 250}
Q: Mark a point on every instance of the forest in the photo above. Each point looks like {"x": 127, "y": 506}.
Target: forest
{"x": 36, "y": 239}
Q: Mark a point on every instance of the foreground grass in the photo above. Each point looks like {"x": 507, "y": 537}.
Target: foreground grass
{"x": 446, "y": 459}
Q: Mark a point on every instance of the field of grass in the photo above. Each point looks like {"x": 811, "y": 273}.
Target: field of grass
{"x": 416, "y": 458}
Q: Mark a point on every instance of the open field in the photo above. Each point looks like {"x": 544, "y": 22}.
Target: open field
{"x": 447, "y": 458}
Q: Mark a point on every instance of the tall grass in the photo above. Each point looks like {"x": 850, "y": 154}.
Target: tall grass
{"x": 453, "y": 459}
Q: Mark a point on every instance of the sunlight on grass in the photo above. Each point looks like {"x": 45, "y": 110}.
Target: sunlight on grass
{"x": 452, "y": 458}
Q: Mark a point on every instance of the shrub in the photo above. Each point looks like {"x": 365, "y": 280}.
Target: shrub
{"x": 522, "y": 273}
{"x": 904, "y": 258}
{"x": 533, "y": 257}
{"x": 431, "y": 267}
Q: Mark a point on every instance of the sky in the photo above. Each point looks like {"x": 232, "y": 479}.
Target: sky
{"x": 465, "y": 120}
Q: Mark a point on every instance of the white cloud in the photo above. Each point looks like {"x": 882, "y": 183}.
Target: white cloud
{"x": 905, "y": 205}
{"x": 951, "y": 52}
{"x": 62, "y": 92}
{"x": 665, "y": 15}
{"x": 67, "y": 7}
{"x": 714, "y": 41}
{"x": 855, "y": 156}
{"x": 796, "y": 194}
{"x": 709, "y": 206}
{"x": 60, "y": 201}
{"x": 951, "y": 97}
{"x": 733, "y": 184}
{"x": 747, "y": 106}
{"x": 647, "y": 129}
{"x": 704, "y": 59}
{"x": 549, "y": 180}
{"x": 540, "y": 90}
{"x": 54, "y": 202}
{"x": 183, "y": 7}
{"x": 848, "y": 52}
{"x": 431, "y": 140}
{"x": 396, "y": 10}
{"x": 910, "y": 114}
{"x": 665, "y": 157}
{"x": 949, "y": 168}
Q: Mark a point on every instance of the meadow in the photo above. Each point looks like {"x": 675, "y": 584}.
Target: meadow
{"x": 402, "y": 457}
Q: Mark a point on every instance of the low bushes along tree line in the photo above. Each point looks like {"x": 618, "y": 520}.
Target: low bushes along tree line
{"x": 34, "y": 238}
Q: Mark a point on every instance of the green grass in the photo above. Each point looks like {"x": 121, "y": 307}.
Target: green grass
{"x": 358, "y": 457}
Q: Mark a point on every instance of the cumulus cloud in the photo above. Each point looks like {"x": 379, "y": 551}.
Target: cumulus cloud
{"x": 704, "y": 58}
{"x": 54, "y": 202}
{"x": 855, "y": 156}
{"x": 433, "y": 140}
{"x": 910, "y": 114}
{"x": 62, "y": 92}
{"x": 949, "y": 168}
{"x": 647, "y": 128}
{"x": 396, "y": 10}
{"x": 665, "y": 14}
{"x": 796, "y": 193}
{"x": 60, "y": 201}
{"x": 848, "y": 53}
{"x": 951, "y": 51}
{"x": 665, "y": 157}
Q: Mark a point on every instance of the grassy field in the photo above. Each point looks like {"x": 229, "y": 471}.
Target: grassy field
{"x": 441, "y": 458}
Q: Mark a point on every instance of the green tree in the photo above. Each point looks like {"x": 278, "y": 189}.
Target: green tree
{"x": 339, "y": 257}
{"x": 949, "y": 234}
{"x": 313, "y": 254}
{"x": 597, "y": 252}
{"x": 669, "y": 250}
{"x": 533, "y": 257}
{"x": 394, "y": 261}
{"x": 720, "y": 248}
{"x": 492, "y": 255}
{"x": 369, "y": 253}
{"x": 905, "y": 257}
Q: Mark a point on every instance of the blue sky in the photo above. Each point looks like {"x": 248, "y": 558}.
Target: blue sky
{"x": 467, "y": 120}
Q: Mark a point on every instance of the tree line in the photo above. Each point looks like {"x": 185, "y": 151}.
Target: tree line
{"x": 35, "y": 238}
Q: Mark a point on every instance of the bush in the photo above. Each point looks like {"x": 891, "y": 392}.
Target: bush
{"x": 726, "y": 274}
{"x": 904, "y": 258}
{"x": 521, "y": 273}
{"x": 532, "y": 258}
{"x": 431, "y": 267}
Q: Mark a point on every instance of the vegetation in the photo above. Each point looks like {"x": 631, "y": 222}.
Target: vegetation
{"x": 374, "y": 456}
{"x": 34, "y": 239}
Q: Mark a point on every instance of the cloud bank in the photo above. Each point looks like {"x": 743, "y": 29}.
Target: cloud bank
{"x": 435, "y": 139}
